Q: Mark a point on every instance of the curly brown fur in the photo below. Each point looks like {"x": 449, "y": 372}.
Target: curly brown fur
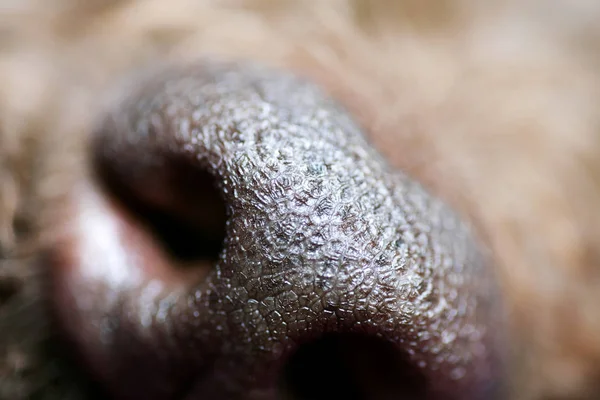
{"x": 491, "y": 104}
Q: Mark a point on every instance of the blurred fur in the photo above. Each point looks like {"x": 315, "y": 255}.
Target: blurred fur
{"x": 492, "y": 104}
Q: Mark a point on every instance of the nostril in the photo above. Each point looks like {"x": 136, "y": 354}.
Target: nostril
{"x": 188, "y": 232}
{"x": 352, "y": 367}
{"x": 9, "y": 287}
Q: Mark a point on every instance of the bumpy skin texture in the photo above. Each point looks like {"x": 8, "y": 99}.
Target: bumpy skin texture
{"x": 322, "y": 236}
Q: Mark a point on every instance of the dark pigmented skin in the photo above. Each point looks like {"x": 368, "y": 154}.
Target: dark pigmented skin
{"x": 322, "y": 237}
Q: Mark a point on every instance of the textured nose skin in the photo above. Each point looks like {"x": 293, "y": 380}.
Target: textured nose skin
{"x": 321, "y": 237}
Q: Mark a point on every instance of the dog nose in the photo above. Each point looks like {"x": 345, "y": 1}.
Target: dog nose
{"x": 323, "y": 256}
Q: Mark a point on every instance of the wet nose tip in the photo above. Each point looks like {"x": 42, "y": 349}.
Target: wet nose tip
{"x": 367, "y": 263}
